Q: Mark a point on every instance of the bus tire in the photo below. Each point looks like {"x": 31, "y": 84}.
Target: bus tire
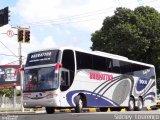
{"x": 139, "y": 104}
{"x": 79, "y": 104}
{"x": 50, "y": 110}
{"x": 131, "y": 104}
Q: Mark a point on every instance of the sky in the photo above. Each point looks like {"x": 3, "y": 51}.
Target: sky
{"x": 56, "y": 23}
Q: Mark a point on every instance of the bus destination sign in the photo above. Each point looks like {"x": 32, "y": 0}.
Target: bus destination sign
{"x": 42, "y": 57}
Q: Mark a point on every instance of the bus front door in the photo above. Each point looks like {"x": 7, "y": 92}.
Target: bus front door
{"x": 64, "y": 85}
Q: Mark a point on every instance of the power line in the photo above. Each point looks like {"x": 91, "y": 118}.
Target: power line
{"x": 8, "y": 48}
{"x": 14, "y": 61}
{"x": 66, "y": 22}
{"x": 140, "y": 2}
{"x": 82, "y": 15}
{"x": 66, "y": 19}
{"x": 77, "y": 16}
{"x": 8, "y": 55}
{"x": 70, "y": 19}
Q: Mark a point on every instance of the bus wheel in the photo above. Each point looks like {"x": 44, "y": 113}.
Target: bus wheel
{"x": 50, "y": 110}
{"x": 131, "y": 105}
{"x": 139, "y": 104}
{"x": 79, "y": 104}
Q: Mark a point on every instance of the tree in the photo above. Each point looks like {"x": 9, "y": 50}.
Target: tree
{"x": 131, "y": 33}
{"x": 7, "y": 92}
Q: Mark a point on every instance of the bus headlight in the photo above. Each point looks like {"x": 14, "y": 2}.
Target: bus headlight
{"x": 25, "y": 98}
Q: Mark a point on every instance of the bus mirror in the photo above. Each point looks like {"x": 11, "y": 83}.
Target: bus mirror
{"x": 18, "y": 70}
{"x": 21, "y": 69}
{"x": 58, "y": 66}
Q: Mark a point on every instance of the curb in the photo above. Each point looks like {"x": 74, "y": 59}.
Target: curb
{"x": 123, "y": 110}
{"x": 85, "y": 110}
{"x": 73, "y": 111}
{"x": 16, "y": 113}
{"x": 93, "y": 110}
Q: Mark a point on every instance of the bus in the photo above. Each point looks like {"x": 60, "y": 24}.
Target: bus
{"x": 64, "y": 77}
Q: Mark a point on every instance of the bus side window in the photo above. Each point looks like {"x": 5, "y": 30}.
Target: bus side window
{"x": 109, "y": 64}
{"x": 125, "y": 68}
{"x": 116, "y": 66}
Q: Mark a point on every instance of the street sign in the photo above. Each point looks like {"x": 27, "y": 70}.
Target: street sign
{"x": 10, "y": 33}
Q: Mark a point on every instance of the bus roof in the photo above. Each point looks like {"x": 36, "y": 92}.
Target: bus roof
{"x": 98, "y": 53}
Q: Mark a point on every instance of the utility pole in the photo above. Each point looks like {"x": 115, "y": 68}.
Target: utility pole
{"x": 20, "y": 55}
{"x": 21, "y": 75}
{"x": 20, "y": 71}
{"x": 23, "y": 36}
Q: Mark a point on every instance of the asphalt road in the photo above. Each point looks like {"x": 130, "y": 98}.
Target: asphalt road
{"x": 128, "y": 115}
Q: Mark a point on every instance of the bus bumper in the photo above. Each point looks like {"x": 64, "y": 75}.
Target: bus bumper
{"x": 41, "y": 103}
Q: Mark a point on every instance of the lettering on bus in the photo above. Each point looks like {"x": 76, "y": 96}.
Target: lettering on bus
{"x": 143, "y": 81}
{"x": 44, "y": 54}
{"x": 42, "y": 57}
{"x": 100, "y": 76}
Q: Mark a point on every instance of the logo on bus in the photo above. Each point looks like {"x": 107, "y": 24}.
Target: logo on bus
{"x": 142, "y": 83}
{"x": 100, "y": 76}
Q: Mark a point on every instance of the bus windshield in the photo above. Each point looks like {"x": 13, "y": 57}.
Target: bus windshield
{"x": 39, "y": 79}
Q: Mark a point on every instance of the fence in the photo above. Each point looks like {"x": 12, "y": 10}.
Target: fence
{"x": 10, "y": 104}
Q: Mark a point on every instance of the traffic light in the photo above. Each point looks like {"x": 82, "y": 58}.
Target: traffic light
{"x": 27, "y": 36}
{"x": 4, "y": 16}
{"x": 20, "y": 35}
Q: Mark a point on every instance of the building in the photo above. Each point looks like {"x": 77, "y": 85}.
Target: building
{"x": 9, "y": 76}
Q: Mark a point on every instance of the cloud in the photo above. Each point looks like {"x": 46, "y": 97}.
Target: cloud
{"x": 86, "y": 14}
{"x": 9, "y": 46}
{"x": 66, "y": 18}
{"x": 48, "y": 42}
{"x": 36, "y": 9}
{"x": 82, "y": 14}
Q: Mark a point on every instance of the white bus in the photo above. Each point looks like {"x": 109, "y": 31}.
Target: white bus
{"x": 71, "y": 78}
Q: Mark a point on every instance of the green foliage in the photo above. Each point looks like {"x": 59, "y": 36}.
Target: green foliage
{"x": 7, "y": 91}
{"x": 131, "y": 33}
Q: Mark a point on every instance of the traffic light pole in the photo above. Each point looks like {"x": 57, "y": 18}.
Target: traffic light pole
{"x": 20, "y": 55}
{"x": 21, "y": 76}
{"x": 23, "y": 36}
